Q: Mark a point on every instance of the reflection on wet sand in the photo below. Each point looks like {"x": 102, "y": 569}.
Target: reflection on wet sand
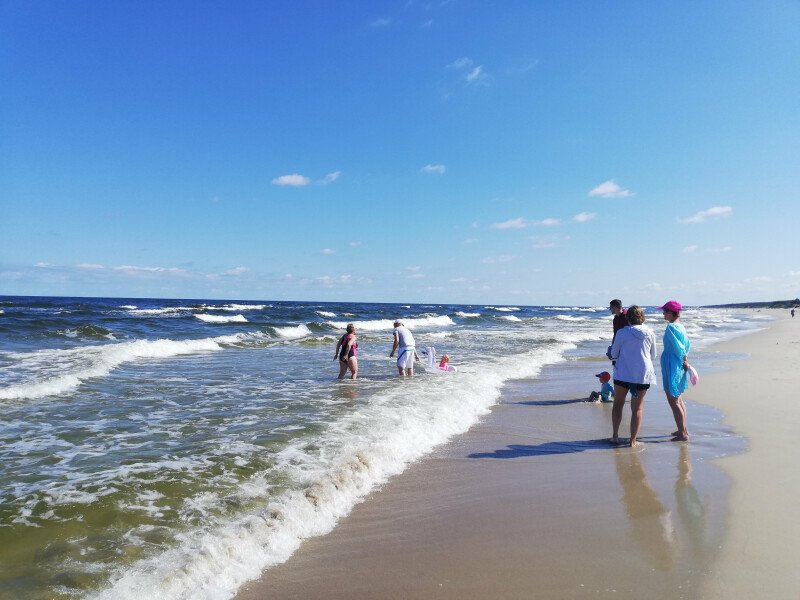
{"x": 691, "y": 510}
{"x": 651, "y": 522}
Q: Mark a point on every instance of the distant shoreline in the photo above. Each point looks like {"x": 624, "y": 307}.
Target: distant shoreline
{"x": 771, "y": 304}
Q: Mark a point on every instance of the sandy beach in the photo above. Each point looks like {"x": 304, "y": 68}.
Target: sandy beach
{"x": 532, "y": 502}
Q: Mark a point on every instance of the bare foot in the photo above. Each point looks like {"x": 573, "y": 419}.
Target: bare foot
{"x": 680, "y": 438}
{"x": 614, "y": 441}
{"x": 634, "y": 443}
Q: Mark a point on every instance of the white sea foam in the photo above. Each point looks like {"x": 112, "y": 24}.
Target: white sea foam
{"x": 222, "y": 318}
{"x": 569, "y": 318}
{"x": 237, "y": 307}
{"x": 590, "y": 309}
{"x": 169, "y": 310}
{"x": 504, "y": 308}
{"x": 65, "y": 370}
{"x": 466, "y": 315}
{"x": 387, "y": 324}
{"x": 291, "y": 333}
{"x": 510, "y": 318}
{"x": 129, "y": 307}
{"x": 345, "y": 462}
{"x": 326, "y": 314}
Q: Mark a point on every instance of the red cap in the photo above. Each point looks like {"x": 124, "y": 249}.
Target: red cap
{"x": 672, "y": 305}
{"x": 604, "y": 376}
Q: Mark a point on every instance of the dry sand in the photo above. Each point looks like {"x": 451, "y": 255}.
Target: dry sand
{"x": 533, "y": 503}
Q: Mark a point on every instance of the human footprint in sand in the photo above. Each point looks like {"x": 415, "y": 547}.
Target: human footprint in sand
{"x": 675, "y": 367}
{"x": 633, "y": 350}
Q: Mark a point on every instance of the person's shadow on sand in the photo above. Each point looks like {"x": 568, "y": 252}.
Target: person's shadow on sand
{"x": 545, "y": 449}
{"x": 550, "y": 402}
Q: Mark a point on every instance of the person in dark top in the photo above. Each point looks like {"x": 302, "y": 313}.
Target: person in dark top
{"x": 620, "y": 320}
{"x": 346, "y": 351}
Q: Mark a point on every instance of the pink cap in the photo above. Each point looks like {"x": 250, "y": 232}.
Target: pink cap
{"x": 672, "y": 305}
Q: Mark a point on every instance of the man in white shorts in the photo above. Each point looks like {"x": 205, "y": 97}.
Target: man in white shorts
{"x": 404, "y": 345}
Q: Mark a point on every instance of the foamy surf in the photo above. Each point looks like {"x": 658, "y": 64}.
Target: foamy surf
{"x": 352, "y": 457}
{"x": 82, "y": 364}
{"x": 388, "y": 324}
{"x": 221, "y": 318}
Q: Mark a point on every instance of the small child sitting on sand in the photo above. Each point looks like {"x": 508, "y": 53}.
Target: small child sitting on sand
{"x": 606, "y": 393}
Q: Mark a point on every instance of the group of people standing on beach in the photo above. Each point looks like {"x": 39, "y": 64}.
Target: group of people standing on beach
{"x": 403, "y": 344}
{"x": 633, "y": 352}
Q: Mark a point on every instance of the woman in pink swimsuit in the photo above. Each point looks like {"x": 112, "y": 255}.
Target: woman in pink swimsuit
{"x": 346, "y": 351}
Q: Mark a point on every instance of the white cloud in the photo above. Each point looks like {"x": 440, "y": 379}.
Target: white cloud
{"x": 330, "y": 178}
{"x": 382, "y": 22}
{"x": 134, "y": 270}
{"x": 294, "y": 180}
{"x": 42, "y": 265}
{"x": 236, "y": 271}
{"x": 461, "y": 63}
{"x": 719, "y": 250}
{"x": 355, "y": 243}
{"x": 474, "y": 74}
{"x": 493, "y": 260}
{"x": 583, "y": 217}
{"x": 457, "y": 280}
{"x": 518, "y": 223}
{"x": 545, "y": 241}
{"x": 90, "y": 266}
{"x": 328, "y": 251}
{"x": 328, "y": 281}
{"x": 714, "y": 211}
{"x": 471, "y": 241}
{"x": 437, "y": 169}
{"x": 609, "y": 189}
{"x": 414, "y": 273}
{"x": 690, "y": 249}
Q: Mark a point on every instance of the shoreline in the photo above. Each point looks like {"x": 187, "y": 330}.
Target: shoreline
{"x": 462, "y": 524}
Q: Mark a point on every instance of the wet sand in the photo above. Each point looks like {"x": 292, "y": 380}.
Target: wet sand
{"x": 534, "y": 503}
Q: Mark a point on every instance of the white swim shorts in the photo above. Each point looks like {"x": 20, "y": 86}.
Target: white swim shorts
{"x": 405, "y": 358}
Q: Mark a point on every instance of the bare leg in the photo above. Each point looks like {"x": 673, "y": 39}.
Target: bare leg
{"x": 342, "y": 369}
{"x": 401, "y": 370}
{"x": 410, "y": 372}
{"x": 352, "y": 362}
{"x": 616, "y": 411}
{"x": 636, "y": 414}
{"x": 679, "y": 412}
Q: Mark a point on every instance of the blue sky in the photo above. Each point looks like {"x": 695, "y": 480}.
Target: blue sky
{"x": 468, "y": 152}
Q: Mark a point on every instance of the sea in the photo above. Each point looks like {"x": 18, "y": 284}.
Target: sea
{"x": 170, "y": 449}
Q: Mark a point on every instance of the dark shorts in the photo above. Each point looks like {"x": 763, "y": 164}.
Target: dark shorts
{"x": 635, "y": 386}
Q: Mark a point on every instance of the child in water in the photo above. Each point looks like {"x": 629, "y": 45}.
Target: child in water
{"x": 606, "y": 393}
{"x": 443, "y": 363}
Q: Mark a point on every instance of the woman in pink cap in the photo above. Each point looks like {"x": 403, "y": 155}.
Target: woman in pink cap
{"x": 674, "y": 367}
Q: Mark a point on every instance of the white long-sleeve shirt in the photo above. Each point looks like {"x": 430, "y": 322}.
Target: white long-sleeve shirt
{"x": 634, "y": 350}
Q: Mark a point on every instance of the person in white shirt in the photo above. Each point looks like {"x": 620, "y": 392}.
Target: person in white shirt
{"x": 634, "y": 350}
{"x": 404, "y": 345}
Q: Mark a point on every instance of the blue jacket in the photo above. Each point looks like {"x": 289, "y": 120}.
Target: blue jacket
{"x": 676, "y": 346}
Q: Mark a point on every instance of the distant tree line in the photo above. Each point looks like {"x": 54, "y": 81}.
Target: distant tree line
{"x": 773, "y": 304}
